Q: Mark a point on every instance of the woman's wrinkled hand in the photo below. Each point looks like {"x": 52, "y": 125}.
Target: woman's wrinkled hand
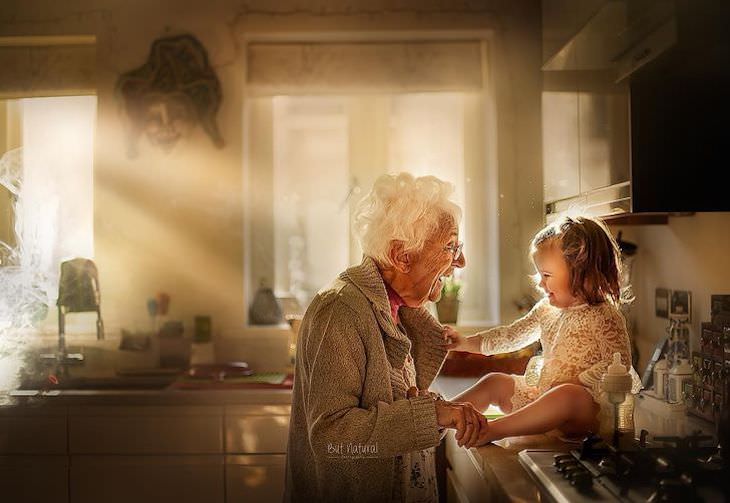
{"x": 470, "y": 424}
{"x": 454, "y": 341}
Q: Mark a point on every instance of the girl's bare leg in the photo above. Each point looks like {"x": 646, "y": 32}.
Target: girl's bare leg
{"x": 568, "y": 407}
{"x": 494, "y": 388}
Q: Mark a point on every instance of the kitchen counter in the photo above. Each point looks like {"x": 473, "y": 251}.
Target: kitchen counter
{"x": 499, "y": 461}
{"x": 492, "y": 472}
{"x": 212, "y": 445}
{"x": 147, "y": 397}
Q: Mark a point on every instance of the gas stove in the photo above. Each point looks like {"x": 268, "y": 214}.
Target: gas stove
{"x": 684, "y": 469}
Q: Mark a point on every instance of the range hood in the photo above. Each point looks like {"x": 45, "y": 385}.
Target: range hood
{"x": 621, "y": 36}
{"x": 655, "y": 143}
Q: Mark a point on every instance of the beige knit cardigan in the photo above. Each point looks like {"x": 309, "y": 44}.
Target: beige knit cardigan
{"x": 350, "y": 417}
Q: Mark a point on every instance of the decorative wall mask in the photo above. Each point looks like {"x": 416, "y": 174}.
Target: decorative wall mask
{"x": 175, "y": 90}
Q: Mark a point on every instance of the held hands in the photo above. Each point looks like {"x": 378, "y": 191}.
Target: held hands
{"x": 454, "y": 341}
{"x": 471, "y": 426}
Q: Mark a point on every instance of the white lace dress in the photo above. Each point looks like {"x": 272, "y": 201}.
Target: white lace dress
{"x": 578, "y": 345}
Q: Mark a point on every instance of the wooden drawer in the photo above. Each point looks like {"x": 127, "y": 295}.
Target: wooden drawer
{"x": 261, "y": 429}
{"x": 146, "y": 430}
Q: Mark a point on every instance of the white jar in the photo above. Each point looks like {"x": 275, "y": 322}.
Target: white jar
{"x": 677, "y": 376}
{"x": 660, "y": 378}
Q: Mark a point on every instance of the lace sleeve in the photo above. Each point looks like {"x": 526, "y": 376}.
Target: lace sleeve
{"x": 610, "y": 336}
{"x": 519, "y": 334}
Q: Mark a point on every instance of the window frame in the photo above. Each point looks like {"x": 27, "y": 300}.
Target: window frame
{"x": 487, "y": 252}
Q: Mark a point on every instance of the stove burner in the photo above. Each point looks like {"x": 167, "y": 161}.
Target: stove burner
{"x": 669, "y": 469}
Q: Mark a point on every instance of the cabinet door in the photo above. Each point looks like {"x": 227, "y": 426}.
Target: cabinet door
{"x": 145, "y": 430}
{"x": 560, "y": 145}
{"x": 257, "y": 429}
{"x": 604, "y": 139}
{"x": 255, "y": 478}
{"x": 466, "y": 478}
{"x": 41, "y": 431}
{"x": 147, "y": 479}
{"x": 34, "y": 479}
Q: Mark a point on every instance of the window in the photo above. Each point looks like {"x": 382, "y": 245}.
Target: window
{"x": 310, "y": 158}
{"x": 46, "y": 199}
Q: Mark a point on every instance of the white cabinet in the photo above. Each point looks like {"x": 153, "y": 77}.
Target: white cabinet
{"x": 257, "y": 429}
{"x": 34, "y": 478}
{"x": 585, "y": 141}
{"x": 256, "y": 437}
{"x": 465, "y": 478}
{"x": 603, "y": 128}
{"x": 560, "y": 145}
{"x": 147, "y": 479}
{"x": 33, "y": 431}
{"x": 33, "y": 460}
{"x": 255, "y": 478}
{"x": 143, "y": 453}
{"x": 147, "y": 454}
{"x": 145, "y": 430}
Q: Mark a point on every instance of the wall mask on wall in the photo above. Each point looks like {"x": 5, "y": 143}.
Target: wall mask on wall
{"x": 172, "y": 93}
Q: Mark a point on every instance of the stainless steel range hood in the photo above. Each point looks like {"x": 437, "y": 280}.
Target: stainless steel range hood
{"x": 621, "y": 36}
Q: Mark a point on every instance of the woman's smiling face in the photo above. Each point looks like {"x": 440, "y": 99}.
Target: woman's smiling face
{"x": 554, "y": 275}
{"x": 435, "y": 261}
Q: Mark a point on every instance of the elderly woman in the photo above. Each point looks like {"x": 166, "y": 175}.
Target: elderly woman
{"x": 360, "y": 429}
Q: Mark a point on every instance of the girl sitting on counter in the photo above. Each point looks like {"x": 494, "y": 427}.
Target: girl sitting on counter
{"x": 580, "y": 327}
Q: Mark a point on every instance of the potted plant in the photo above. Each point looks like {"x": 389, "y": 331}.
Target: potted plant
{"x": 448, "y": 306}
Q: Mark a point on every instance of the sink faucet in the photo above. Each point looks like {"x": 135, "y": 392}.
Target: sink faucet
{"x": 78, "y": 291}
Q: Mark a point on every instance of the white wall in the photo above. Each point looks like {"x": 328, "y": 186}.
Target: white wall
{"x": 174, "y": 222}
{"x": 690, "y": 253}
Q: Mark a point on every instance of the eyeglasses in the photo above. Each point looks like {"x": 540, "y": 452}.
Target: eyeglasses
{"x": 455, "y": 249}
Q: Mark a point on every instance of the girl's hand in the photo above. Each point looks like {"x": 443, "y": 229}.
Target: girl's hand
{"x": 454, "y": 341}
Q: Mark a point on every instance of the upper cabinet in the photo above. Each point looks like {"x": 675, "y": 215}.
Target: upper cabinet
{"x": 585, "y": 143}
{"x": 633, "y": 104}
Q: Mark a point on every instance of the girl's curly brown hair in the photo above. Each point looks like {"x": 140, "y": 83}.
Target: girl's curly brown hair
{"x": 592, "y": 255}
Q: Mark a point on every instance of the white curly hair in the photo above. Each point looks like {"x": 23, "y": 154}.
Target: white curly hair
{"x": 402, "y": 208}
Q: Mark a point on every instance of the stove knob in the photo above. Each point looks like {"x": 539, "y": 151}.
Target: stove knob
{"x": 607, "y": 466}
{"x": 581, "y": 481}
{"x": 563, "y": 462}
{"x": 572, "y": 471}
{"x": 561, "y": 458}
{"x": 567, "y": 464}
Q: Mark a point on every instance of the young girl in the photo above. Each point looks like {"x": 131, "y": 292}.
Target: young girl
{"x": 580, "y": 328}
